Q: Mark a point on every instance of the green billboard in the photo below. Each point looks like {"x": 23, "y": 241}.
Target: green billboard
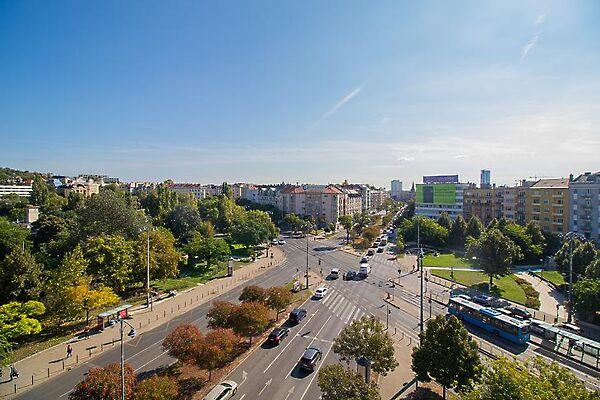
{"x": 440, "y": 193}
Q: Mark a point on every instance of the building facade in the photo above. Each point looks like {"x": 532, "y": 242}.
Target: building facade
{"x": 547, "y": 202}
{"x": 19, "y": 190}
{"x": 485, "y": 204}
{"x": 378, "y": 197}
{"x": 197, "y": 190}
{"x": 485, "y": 180}
{"x": 396, "y": 187}
{"x": 434, "y": 198}
{"x": 324, "y": 203}
{"x": 584, "y": 193}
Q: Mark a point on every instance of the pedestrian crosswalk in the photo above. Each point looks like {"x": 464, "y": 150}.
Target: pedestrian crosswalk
{"x": 341, "y": 307}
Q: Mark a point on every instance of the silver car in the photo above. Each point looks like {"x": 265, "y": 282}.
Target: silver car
{"x": 224, "y": 390}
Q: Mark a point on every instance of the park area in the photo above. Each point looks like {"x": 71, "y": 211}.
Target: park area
{"x": 554, "y": 277}
{"x": 506, "y": 286}
{"x": 446, "y": 260}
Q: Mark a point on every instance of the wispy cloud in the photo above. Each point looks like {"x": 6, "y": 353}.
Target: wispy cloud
{"x": 339, "y": 104}
{"x": 533, "y": 41}
{"x": 460, "y": 156}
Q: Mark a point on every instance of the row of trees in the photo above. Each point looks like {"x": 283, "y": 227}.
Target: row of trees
{"x": 448, "y": 355}
{"x": 83, "y": 254}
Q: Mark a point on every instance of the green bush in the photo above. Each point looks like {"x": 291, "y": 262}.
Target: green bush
{"x": 532, "y": 297}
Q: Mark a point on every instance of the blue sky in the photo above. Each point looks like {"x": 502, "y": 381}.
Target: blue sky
{"x": 309, "y": 91}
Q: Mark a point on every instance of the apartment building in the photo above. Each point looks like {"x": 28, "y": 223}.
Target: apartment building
{"x": 325, "y": 203}
{"x": 584, "y": 193}
{"x": 547, "y": 202}
{"x": 196, "y": 189}
{"x": 365, "y": 194}
{"x": 483, "y": 203}
{"x": 378, "y": 197}
{"x": 81, "y": 186}
{"x": 396, "y": 187}
{"x": 352, "y": 201}
{"x": 19, "y": 190}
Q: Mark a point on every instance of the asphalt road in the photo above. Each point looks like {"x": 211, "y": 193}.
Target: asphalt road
{"x": 271, "y": 372}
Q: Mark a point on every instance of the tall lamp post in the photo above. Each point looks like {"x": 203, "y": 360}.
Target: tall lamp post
{"x": 420, "y": 267}
{"x": 570, "y": 237}
{"x": 131, "y": 334}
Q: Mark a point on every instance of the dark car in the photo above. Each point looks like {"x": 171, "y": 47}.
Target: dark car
{"x": 297, "y": 315}
{"x": 278, "y": 335}
{"x": 380, "y": 249}
{"x": 519, "y": 312}
{"x": 310, "y": 358}
{"x": 483, "y": 300}
{"x": 350, "y": 275}
{"x": 370, "y": 252}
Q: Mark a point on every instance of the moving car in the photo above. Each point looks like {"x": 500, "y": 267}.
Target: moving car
{"x": 350, "y": 275}
{"x": 320, "y": 293}
{"x": 281, "y": 241}
{"x": 224, "y": 390}
{"x": 310, "y": 358}
{"x": 371, "y": 252}
{"x": 380, "y": 249}
{"x": 275, "y": 241}
{"x": 335, "y": 273}
{"x": 364, "y": 260}
{"x": 277, "y": 335}
{"x": 297, "y": 315}
{"x": 364, "y": 270}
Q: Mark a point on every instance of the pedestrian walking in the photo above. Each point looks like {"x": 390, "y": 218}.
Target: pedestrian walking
{"x": 69, "y": 351}
{"x": 13, "y": 372}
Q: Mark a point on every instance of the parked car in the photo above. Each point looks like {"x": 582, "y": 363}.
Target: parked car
{"x": 518, "y": 312}
{"x": 310, "y": 358}
{"x": 277, "y": 335}
{"x": 297, "y": 315}
{"x": 224, "y": 390}
{"x": 320, "y": 293}
{"x": 483, "y": 300}
{"x": 350, "y": 275}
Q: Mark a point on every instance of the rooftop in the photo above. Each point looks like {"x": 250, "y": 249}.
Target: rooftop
{"x": 555, "y": 183}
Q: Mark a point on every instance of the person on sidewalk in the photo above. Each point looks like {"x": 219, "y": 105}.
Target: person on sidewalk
{"x": 13, "y": 374}
{"x": 69, "y": 351}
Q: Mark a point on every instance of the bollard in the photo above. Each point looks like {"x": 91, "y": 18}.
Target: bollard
{"x": 15, "y": 388}
{"x": 409, "y": 341}
{"x": 140, "y": 325}
{"x": 395, "y": 330}
{"x": 177, "y": 307}
{"x": 196, "y": 297}
{"x": 31, "y": 380}
{"x": 90, "y": 355}
{"x": 202, "y": 295}
{"x": 48, "y": 372}
{"x": 157, "y": 317}
{"x": 76, "y": 358}
{"x": 185, "y": 303}
{"x": 63, "y": 364}
{"x": 101, "y": 346}
{"x": 164, "y": 313}
{"x": 171, "y": 310}
{"x": 148, "y": 321}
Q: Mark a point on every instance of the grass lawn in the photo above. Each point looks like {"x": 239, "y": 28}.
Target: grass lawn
{"x": 553, "y": 276}
{"x": 505, "y": 286}
{"x": 446, "y": 260}
{"x": 192, "y": 277}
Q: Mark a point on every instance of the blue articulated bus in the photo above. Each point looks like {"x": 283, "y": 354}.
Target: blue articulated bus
{"x": 489, "y": 319}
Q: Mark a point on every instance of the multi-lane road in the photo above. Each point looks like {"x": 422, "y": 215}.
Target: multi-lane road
{"x": 271, "y": 372}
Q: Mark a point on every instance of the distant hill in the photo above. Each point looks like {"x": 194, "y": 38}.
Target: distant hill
{"x": 14, "y": 176}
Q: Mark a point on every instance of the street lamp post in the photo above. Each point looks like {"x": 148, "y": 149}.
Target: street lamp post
{"x": 307, "y": 260}
{"x": 571, "y": 236}
{"x": 420, "y": 266}
{"x": 148, "y": 302}
{"x": 131, "y": 334}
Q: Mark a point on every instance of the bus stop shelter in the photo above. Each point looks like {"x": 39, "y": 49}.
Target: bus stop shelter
{"x": 110, "y": 315}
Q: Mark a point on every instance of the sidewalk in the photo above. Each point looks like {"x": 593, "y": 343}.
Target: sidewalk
{"x": 549, "y": 297}
{"x": 51, "y": 362}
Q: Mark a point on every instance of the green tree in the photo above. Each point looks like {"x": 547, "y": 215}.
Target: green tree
{"x": 249, "y": 232}
{"x": 475, "y": 228}
{"x": 226, "y": 190}
{"x": 105, "y": 384}
{"x": 458, "y": 232}
{"x": 371, "y": 233}
{"x": 431, "y": 233}
{"x": 109, "y": 213}
{"x": 20, "y": 277}
{"x": 583, "y": 255}
{"x": 47, "y": 228}
{"x": 111, "y": 260}
{"x": 361, "y": 221}
{"x": 586, "y": 294}
{"x": 494, "y": 252}
{"x": 447, "y": 354}
{"x": 399, "y": 245}
{"x": 519, "y": 235}
{"x": 292, "y": 221}
{"x": 592, "y": 271}
{"x": 75, "y": 201}
{"x": 339, "y": 383}
{"x": 164, "y": 259}
{"x": 183, "y": 221}
{"x": 368, "y": 338}
{"x": 208, "y": 249}
{"x": 11, "y": 237}
{"x": 13, "y": 207}
{"x": 533, "y": 380}
{"x": 444, "y": 220}
{"x": 16, "y": 321}
{"x": 39, "y": 192}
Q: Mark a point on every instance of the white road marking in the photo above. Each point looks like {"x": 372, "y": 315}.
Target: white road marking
{"x": 143, "y": 365}
{"x": 316, "y": 372}
{"x": 311, "y": 342}
{"x": 290, "y": 342}
{"x": 267, "y": 383}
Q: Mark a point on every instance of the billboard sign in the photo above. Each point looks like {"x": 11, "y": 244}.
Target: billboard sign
{"x": 428, "y": 179}
{"x": 440, "y": 193}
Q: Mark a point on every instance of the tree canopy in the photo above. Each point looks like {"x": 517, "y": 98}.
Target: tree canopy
{"x": 494, "y": 253}
{"x": 339, "y": 383}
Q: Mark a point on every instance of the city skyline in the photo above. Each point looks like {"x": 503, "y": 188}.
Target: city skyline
{"x": 207, "y": 93}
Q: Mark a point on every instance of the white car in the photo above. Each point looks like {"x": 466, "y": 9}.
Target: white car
{"x": 320, "y": 292}
{"x": 281, "y": 242}
{"x": 224, "y": 390}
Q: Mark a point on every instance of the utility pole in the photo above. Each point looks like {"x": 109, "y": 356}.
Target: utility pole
{"x": 122, "y": 363}
{"x": 307, "y": 260}
{"x": 148, "y": 302}
{"x": 420, "y": 266}
{"x": 570, "y": 313}
{"x": 387, "y": 317}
